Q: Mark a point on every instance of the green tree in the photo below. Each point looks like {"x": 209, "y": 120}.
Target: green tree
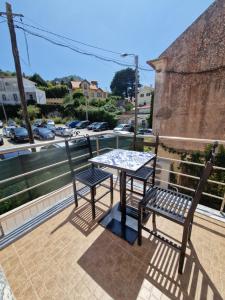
{"x": 71, "y": 102}
{"x": 38, "y": 79}
{"x": 33, "y": 111}
{"x": 123, "y": 82}
{"x": 55, "y": 91}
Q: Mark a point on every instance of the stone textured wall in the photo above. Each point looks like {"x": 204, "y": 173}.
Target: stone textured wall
{"x": 190, "y": 80}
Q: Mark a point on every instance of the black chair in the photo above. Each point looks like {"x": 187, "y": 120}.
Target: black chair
{"x": 146, "y": 172}
{"x": 174, "y": 206}
{"x": 91, "y": 177}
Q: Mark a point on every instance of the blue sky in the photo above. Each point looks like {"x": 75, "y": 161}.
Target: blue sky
{"x": 143, "y": 27}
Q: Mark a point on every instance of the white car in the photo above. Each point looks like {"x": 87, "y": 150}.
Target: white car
{"x": 123, "y": 127}
{"x": 50, "y": 122}
{"x": 6, "y": 131}
{"x": 1, "y": 124}
{"x": 63, "y": 131}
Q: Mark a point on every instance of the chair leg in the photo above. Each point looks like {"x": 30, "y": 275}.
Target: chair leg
{"x": 93, "y": 202}
{"x": 140, "y": 214}
{"x": 132, "y": 184}
{"x": 153, "y": 221}
{"x": 144, "y": 187}
{"x": 75, "y": 193}
{"x": 183, "y": 249}
{"x": 190, "y": 230}
{"x": 111, "y": 190}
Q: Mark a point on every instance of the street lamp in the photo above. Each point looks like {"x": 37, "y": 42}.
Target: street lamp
{"x": 136, "y": 95}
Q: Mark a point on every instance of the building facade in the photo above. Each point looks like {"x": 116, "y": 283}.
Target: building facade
{"x": 9, "y": 92}
{"x": 145, "y": 95}
{"x": 190, "y": 80}
{"x": 90, "y": 89}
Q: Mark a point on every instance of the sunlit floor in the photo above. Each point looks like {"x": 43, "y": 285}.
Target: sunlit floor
{"x": 72, "y": 257}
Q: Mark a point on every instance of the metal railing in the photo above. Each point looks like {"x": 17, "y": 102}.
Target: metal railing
{"x": 118, "y": 137}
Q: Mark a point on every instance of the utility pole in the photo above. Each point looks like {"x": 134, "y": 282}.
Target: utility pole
{"x": 4, "y": 112}
{"x": 136, "y": 101}
{"x": 15, "y": 52}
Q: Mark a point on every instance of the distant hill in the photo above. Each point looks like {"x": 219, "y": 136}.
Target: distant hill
{"x": 67, "y": 79}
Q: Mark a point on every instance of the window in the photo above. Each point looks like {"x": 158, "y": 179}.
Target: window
{"x": 4, "y": 97}
{"x": 144, "y": 103}
{"x": 31, "y": 97}
{"x": 15, "y": 97}
{"x": 85, "y": 86}
{"x": 141, "y": 95}
{"x": 148, "y": 94}
{"x": 99, "y": 95}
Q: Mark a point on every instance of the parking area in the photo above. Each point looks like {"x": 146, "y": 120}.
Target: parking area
{"x": 9, "y": 143}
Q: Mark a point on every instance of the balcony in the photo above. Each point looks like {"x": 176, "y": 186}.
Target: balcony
{"x": 50, "y": 250}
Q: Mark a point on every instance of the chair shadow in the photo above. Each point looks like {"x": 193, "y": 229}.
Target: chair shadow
{"x": 125, "y": 271}
{"x": 81, "y": 219}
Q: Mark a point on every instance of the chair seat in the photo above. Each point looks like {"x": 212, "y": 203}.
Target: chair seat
{"x": 170, "y": 204}
{"x": 142, "y": 174}
{"x": 93, "y": 176}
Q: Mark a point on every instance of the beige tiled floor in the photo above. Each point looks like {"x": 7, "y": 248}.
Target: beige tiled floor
{"x": 72, "y": 257}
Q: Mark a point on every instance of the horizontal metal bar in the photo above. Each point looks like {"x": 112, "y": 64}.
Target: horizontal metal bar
{"x": 46, "y": 167}
{"x": 188, "y": 189}
{"x": 41, "y": 183}
{"x": 190, "y": 176}
{"x": 189, "y": 162}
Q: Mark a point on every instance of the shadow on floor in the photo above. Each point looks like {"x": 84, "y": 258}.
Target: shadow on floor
{"x": 125, "y": 271}
{"x": 81, "y": 219}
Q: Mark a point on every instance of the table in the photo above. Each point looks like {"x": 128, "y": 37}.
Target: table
{"x": 123, "y": 160}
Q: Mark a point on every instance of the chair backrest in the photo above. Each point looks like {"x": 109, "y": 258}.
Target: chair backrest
{"x": 154, "y": 144}
{"x": 83, "y": 144}
{"x": 203, "y": 180}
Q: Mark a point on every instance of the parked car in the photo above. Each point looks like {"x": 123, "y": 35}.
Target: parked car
{"x": 49, "y": 127}
{"x": 42, "y": 133}
{"x": 145, "y": 131}
{"x": 14, "y": 154}
{"x": 124, "y": 127}
{"x": 50, "y": 122}
{"x": 92, "y": 125}
{"x": 6, "y": 131}
{"x": 63, "y": 131}
{"x": 82, "y": 124}
{"x": 1, "y": 140}
{"x": 11, "y": 123}
{"x": 19, "y": 134}
{"x": 37, "y": 122}
{"x": 72, "y": 124}
{"x": 1, "y": 124}
{"x": 101, "y": 126}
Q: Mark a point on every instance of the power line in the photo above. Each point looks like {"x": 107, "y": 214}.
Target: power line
{"x": 74, "y": 49}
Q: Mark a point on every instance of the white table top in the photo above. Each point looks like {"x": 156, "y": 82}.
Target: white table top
{"x": 123, "y": 159}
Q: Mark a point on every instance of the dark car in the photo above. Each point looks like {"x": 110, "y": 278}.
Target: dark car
{"x": 38, "y": 122}
{"x": 11, "y": 123}
{"x": 82, "y": 124}
{"x": 92, "y": 125}
{"x": 101, "y": 126}
{"x": 72, "y": 124}
{"x": 1, "y": 140}
{"x": 42, "y": 133}
{"x": 145, "y": 131}
{"x": 49, "y": 127}
{"x": 19, "y": 134}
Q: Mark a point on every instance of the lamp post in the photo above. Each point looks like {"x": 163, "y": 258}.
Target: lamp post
{"x": 136, "y": 96}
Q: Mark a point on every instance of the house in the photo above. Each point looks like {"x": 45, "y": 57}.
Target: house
{"x": 89, "y": 89}
{"x": 145, "y": 95}
{"x": 190, "y": 80}
{"x": 9, "y": 92}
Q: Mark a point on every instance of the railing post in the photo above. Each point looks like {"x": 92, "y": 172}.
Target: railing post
{"x": 97, "y": 145}
{"x": 117, "y": 141}
{"x": 223, "y": 204}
